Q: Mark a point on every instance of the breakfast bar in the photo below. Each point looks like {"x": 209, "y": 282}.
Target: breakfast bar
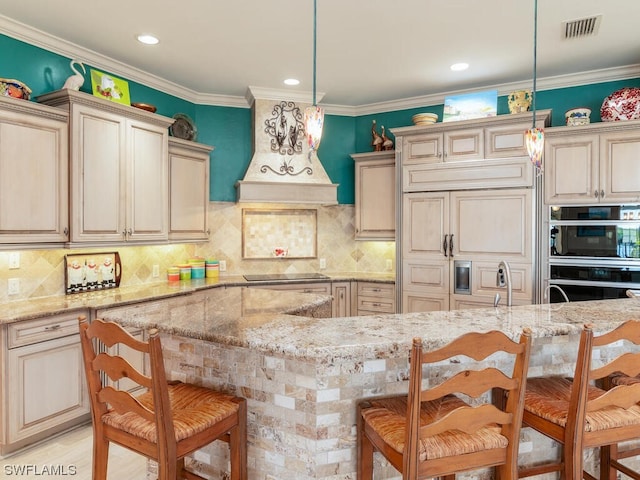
{"x": 302, "y": 374}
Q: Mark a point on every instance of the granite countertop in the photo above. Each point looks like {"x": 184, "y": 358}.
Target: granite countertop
{"x": 28, "y": 309}
{"x": 249, "y": 321}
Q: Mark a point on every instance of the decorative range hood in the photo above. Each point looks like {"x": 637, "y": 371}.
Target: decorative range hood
{"x": 283, "y": 169}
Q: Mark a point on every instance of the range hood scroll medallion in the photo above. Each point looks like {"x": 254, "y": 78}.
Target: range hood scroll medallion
{"x": 282, "y": 170}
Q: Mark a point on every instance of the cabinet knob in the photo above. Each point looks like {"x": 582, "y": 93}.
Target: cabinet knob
{"x": 597, "y": 194}
{"x": 66, "y": 231}
{"x": 601, "y": 193}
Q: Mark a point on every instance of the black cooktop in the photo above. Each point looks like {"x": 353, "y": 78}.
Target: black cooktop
{"x": 265, "y": 277}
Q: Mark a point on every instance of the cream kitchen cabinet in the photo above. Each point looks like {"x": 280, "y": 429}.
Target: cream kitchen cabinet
{"x": 43, "y": 387}
{"x": 33, "y": 173}
{"x": 119, "y": 170}
{"x": 452, "y": 243}
{"x": 375, "y": 206}
{"x": 341, "y": 303}
{"x": 376, "y": 298}
{"x": 481, "y": 153}
{"x": 188, "y": 190}
{"x": 597, "y": 163}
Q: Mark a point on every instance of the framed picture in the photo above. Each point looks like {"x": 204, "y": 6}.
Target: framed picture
{"x": 470, "y": 105}
{"x": 88, "y": 272}
{"x": 110, "y": 87}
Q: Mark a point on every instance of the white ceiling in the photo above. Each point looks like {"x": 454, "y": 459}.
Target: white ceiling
{"x": 368, "y": 51}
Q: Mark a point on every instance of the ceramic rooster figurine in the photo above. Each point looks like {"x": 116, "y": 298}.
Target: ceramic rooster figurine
{"x": 376, "y": 141}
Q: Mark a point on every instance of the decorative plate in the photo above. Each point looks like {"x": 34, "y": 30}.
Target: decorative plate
{"x": 183, "y": 127}
{"x": 623, "y": 104}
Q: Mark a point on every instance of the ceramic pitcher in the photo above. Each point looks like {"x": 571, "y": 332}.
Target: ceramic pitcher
{"x": 519, "y": 101}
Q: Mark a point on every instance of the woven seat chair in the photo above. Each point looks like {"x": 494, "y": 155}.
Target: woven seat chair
{"x": 578, "y": 414}
{"x": 611, "y": 455}
{"x": 436, "y": 431}
{"x": 164, "y": 423}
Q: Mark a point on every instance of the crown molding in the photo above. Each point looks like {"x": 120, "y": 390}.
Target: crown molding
{"x": 70, "y": 50}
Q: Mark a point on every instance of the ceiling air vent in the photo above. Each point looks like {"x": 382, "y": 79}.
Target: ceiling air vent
{"x": 583, "y": 27}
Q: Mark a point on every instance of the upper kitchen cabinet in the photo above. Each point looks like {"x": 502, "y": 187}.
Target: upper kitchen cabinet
{"x": 375, "y": 205}
{"x": 595, "y": 163}
{"x": 119, "y": 170}
{"x": 438, "y": 155}
{"x": 33, "y": 173}
{"x": 188, "y": 190}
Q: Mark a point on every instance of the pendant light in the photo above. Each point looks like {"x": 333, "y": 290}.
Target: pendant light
{"x": 314, "y": 115}
{"x": 534, "y": 137}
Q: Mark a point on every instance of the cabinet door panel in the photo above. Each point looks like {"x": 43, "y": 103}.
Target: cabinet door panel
{"x": 148, "y": 182}
{"x": 48, "y": 386}
{"x": 422, "y": 275}
{"x": 571, "y": 169}
{"x": 97, "y": 193}
{"x": 424, "y": 302}
{"x": 422, "y": 149}
{"x": 376, "y": 214}
{"x": 620, "y": 166}
{"x": 425, "y": 223}
{"x": 466, "y": 144}
{"x": 493, "y": 223}
{"x": 33, "y": 177}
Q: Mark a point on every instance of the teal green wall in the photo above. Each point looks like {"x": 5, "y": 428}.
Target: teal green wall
{"x": 229, "y": 129}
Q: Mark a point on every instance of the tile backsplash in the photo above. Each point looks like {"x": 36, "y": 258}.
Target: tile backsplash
{"x": 41, "y": 272}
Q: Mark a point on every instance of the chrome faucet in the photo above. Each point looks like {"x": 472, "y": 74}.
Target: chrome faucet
{"x": 504, "y": 279}
{"x": 562, "y": 292}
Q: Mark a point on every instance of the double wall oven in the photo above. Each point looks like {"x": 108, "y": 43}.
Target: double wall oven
{"x": 594, "y": 252}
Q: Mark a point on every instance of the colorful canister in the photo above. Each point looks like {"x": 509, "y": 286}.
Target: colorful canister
{"x": 212, "y": 268}
{"x": 197, "y": 268}
{"x": 173, "y": 274}
{"x": 185, "y": 271}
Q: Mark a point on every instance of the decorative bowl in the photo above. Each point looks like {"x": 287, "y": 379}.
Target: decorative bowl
{"x": 578, "y": 116}
{"x": 424, "y": 118}
{"x": 145, "y": 106}
{"x": 14, "y": 88}
{"x": 623, "y": 104}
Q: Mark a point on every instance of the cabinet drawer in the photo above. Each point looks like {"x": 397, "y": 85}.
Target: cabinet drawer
{"x": 377, "y": 290}
{"x": 42, "y": 329}
{"x": 376, "y": 304}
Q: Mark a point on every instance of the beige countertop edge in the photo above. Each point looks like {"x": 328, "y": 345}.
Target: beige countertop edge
{"x": 378, "y": 337}
{"x": 28, "y": 309}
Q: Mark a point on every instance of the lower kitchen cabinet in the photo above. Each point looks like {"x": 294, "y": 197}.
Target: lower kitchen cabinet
{"x": 375, "y": 298}
{"x": 44, "y": 387}
{"x": 341, "y": 304}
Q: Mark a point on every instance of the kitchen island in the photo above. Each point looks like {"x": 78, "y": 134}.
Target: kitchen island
{"x": 302, "y": 375}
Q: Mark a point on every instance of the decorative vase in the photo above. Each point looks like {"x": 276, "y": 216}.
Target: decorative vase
{"x": 623, "y": 104}
{"x": 520, "y": 101}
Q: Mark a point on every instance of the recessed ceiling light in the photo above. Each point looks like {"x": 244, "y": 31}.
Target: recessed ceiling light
{"x": 147, "y": 39}
{"x": 292, "y": 81}
{"x": 458, "y": 67}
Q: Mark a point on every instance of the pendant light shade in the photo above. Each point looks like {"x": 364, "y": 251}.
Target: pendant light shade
{"x": 314, "y": 115}
{"x": 534, "y": 137}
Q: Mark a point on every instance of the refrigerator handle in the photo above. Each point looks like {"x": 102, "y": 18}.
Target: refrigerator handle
{"x": 451, "y": 245}
{"x": 444, "y": 244}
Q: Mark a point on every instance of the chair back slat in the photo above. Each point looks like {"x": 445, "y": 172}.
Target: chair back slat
{"x": 123, "y": 402}
{"x": 474, "y": 345}
{"x": 629, "y": 330}
{"x": 110, "y": 334}
{"x": 472, "y": 383}
{"x": 623, "y": 396}
{"x": 627, "y": 364}
{"x": 468, "y": 420}
{"x": 116, "y": 368}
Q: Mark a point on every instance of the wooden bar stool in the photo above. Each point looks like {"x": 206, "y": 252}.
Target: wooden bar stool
{"x": 579, "y": 415}
{"x": 610, "y": 455}
{"x": 166, "y": 422}
{"x": 436, "y": 432}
